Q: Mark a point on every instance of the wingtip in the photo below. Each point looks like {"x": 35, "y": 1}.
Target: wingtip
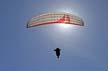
{"x": 27, "y": 26}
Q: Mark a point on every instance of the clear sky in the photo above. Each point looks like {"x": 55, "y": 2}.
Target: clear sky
{"x": 82, "y": 48}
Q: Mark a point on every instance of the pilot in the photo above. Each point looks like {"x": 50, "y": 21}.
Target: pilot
{"x": 57, "y": 50}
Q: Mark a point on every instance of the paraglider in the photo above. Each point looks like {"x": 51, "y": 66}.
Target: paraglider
{"x": 55, "y": 18}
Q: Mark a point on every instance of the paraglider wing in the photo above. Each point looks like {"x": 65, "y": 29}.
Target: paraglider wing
{"x": 55, "y": 18}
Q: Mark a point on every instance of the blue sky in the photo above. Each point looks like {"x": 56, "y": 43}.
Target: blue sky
{"x": 82, "y": 48}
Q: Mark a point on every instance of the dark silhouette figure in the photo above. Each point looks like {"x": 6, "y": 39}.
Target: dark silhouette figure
{"x": 57, "y": 50}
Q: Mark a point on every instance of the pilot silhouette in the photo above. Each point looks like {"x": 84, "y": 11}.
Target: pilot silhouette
{"x": 57, "y": 50}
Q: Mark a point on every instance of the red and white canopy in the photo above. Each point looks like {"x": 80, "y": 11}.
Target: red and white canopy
{"x": 55, "y": 18}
